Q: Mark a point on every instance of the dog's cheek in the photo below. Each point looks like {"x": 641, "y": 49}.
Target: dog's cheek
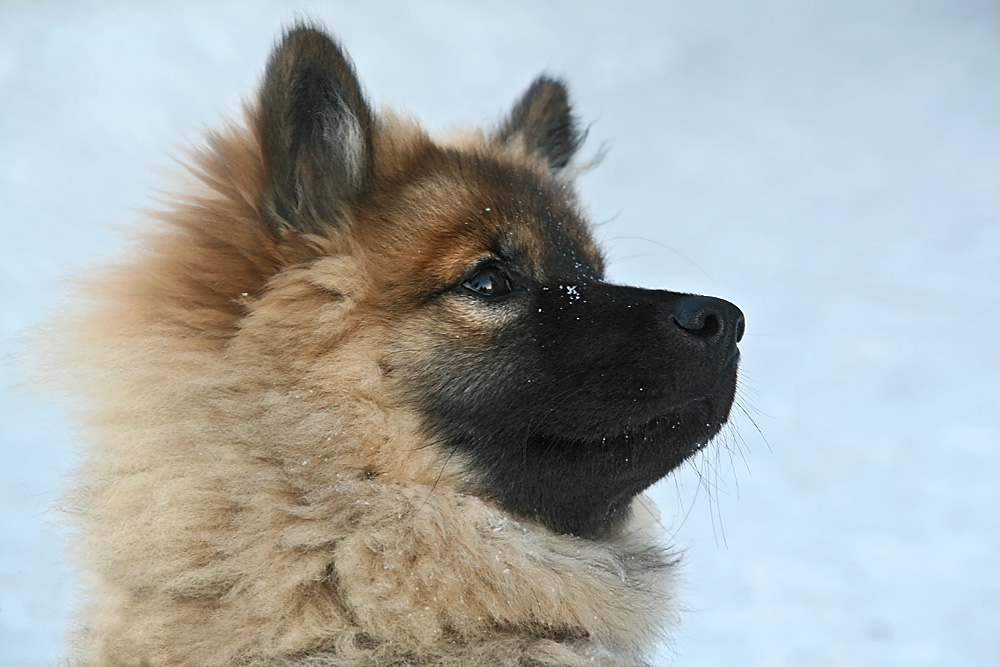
{"x": 474, "y": 372}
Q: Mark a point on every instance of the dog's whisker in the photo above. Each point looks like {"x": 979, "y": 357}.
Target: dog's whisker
{"x": 430, "y": 492}
{"x": 680, "y": 502}
{"x": 713, "y": 489}
{"x": 745, "y": 409}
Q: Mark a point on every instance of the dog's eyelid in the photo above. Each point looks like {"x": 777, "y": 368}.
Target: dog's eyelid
{"x": 496, "y": 262}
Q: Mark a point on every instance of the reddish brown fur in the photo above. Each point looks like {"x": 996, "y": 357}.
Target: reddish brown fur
{"x": 259, "y": 491}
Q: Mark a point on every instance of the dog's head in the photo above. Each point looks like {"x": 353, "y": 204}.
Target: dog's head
{"x": 319, "y": 391}
{"x": 474, "y": 276}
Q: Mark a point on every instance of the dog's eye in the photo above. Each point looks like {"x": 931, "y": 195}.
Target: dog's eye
{"x": 488, "y": 281}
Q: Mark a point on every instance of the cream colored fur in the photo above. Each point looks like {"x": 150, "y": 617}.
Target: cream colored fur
{"x": 257, "y": 492}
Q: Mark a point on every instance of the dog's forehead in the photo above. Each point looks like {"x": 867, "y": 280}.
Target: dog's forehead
{"x": 534, "y": 217}
{"x": 461, "y": 208}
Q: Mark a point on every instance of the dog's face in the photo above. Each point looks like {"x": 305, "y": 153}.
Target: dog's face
{"x": 480, "y": 284}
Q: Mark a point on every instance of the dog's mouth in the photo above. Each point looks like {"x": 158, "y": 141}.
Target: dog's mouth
{"x": 685, "y": 430}
{"x": 688, "y": 424}
{"x": 585, "y": 486}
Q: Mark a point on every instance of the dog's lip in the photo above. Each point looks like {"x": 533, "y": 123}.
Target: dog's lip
{"x": 674, "y": 414}
{"x": 655, "y": 423}
{"x": 657, "y": 428}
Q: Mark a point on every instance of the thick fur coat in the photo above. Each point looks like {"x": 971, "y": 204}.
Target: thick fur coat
{"x": 266, "y": 480}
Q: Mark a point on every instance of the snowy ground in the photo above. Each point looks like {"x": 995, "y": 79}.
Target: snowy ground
{"x": 831, "y": 167}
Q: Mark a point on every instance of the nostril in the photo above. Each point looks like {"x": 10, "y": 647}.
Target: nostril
{"x": 713, "y": 321}
{"x": 706, "y": 325}
{"x": 697, "y": 317}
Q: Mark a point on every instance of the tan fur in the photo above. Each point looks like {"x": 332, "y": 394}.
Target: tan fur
{"x": 257, "y": 491}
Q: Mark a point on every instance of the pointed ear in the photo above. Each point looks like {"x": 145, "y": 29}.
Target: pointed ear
{"x": 315, "y": 132}
{"x": 543, "y": 124}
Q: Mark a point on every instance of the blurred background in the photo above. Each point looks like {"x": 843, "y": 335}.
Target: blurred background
{"x": 831, "y": 167}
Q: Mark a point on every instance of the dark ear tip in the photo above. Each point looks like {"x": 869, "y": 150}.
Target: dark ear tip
{"x": 544, "y": 120}
{"x": 307, "y": 65}
{"x": 552, "y": 88}
{"x": 308, "y": 39}
{"x": 304, "y": 29}
{"x": 548, "y": 95}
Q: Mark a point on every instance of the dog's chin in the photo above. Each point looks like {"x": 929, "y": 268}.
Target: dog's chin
{"x": 585, "y": 486}
{"x": 687, "y": 429}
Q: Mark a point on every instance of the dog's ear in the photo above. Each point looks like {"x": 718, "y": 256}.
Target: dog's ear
{"x": 542, "y": 123}
{"x": 315, "y": 132}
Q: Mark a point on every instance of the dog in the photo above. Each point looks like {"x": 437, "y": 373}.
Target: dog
{"x": 360, "y": 396}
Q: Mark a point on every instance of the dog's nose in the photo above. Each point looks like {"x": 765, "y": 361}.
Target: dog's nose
{"x": 715, "y": 323}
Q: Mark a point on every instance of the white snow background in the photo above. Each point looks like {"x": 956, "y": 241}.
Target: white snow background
{"x": 831, "y": 166}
